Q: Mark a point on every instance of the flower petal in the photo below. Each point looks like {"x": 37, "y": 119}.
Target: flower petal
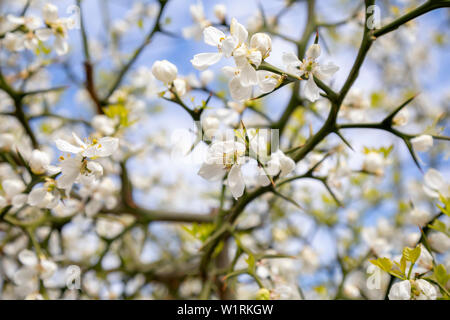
{"x": 65, "y": 146}
{"x": 213, "y": 36}
{"x": 202, "y": 61}
{"x": 211, "y": 171}
{"x": 238, "y": 31}
{"x": 238, "y": 91}
{"x": 312, "y": 92}
{"x": 28, "y": 258}
{"x": 236, "y": 181}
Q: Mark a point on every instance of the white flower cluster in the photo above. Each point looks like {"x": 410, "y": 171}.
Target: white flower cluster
{"x": 246, "y": 56}
{"x": 227, "y": 158}
{"x": 39, "y": 30}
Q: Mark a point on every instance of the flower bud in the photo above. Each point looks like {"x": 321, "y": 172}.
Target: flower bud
{"x": 373, "y": 163}
{"x": 401, "y": 118}
{"x": 420, "y": 217}
{"x": 6, "y": 141}
{"x": 422, "y": 143}
{"x": 210, "y": 126}
{"x": 262, "y": 43}
{"x": 164, "y": 71}
{"x": 220, "y": 11}
{"x": 50, "y": 12}
{"x": 180, "y": 87}
{"x": 39, "y": 161}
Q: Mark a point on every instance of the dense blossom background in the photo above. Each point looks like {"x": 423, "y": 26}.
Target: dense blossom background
{"x": 313, "y": 240}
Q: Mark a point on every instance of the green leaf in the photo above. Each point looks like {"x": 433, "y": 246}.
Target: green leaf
{"x": 401, "y": 265}
{"x": 411, "y": 254}
{"x": 383, "y": 263}
{"x": 438, "y": 226}
{"x": 446, "y": 202}
{"x": 441, "y": 275}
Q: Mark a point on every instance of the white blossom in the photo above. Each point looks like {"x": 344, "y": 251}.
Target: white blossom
{"x": 13, "y": 193}
{"x": 39, "y": 162}
{"x": 34, "y": 268}
{"x": 55, "y": 26}
{"x": 420, "y": 217}
{"x": 261, "y": 42}
{"x": 200, "y": 22}
{"x": 164, "y": 71}
{"x": 79, "y": 167}
{"x": 220, "y": 11}
{"x": 422, "y": 143}
{"x": 374, "y": 163}
{"x": 225, "y": 156}
{"x": 46, "y": 196}
{"x": 309, "y": 67}
{"x": 434, "y": 184}
{"x": 400, "y": 291}
{"x": 427, "y": 290}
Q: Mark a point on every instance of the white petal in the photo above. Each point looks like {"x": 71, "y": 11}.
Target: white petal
{"x": 238, "y": 91}
{"x": 70, "y": 171}
{"x": 273, "y": 165}
{"x": 13, "y": 187}
{"x": 400, "y": 291}
{"x": 28, "y": 258}
{"x": 312, "y": 92}
{"x": 236, "y": 181}
{"x": 24, "y": 276}
{"x": 48, "y": 268}
{"x": 313, "y": 51}
{"x": 36, "y": 196}
{"x": 93, "y": 207}
{"x": 267, "y": 81}
{"x": 211, "y": 171}
{"x": 61, "y": 45}
{"x": 238, "y": 31}
{"x": 433, "y": 179}
{"x": 290, "y": 59}
{"x": 327, "y": 70}
{"x": 78, "y": 140}
{"x": 50, "y": 12}
{"x": 255, "y": 58}
{"x": 262, "y": 179}
{"x": 228, "y": 46}
{"x": 248, "y": 75}
{"x": 107, "y": 146}
{"x": 95, "y": 168}
{"x": 19, "y": 200}
{"x": 65, "y": 146}
{"x": 213, "y": 36}
{"x": 430, "y": 192}
{"x": 287, "y": 164}
{"x": 17, "y": 21}
{"x": 202, "y": 61}
{"x": 229, "y": 71}
{"x": 44, "y": 34}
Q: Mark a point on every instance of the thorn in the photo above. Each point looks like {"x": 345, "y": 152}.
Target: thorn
{"x": 316, "y": 40}
{"x": 344, "y": 140}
